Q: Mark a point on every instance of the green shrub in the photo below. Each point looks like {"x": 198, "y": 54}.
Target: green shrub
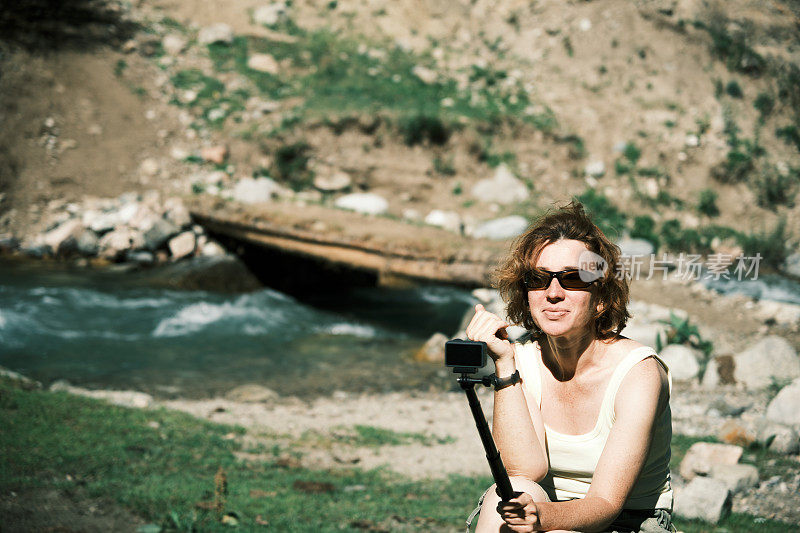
{"x": 774, "y": 189}
{"x": 732, "y": 48}
{"x": 679, "y": 239}
{"x": 790, "y": 135}
{"x": 771, "y": 245}
{"x": 707, "y": 203}
{"x": 291, "y": 165}
{"x": 764, "y": 103}
{"x": 734, "y": 90}
{"x": 444, "y": 166}
{"x": 644, "y": 227}
{"x": 632, "y": 153}
{"x": 420, "y": 128}
{"x": 605, "y": 214}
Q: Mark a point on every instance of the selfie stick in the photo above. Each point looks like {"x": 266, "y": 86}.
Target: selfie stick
{"x": 492, "y": 455}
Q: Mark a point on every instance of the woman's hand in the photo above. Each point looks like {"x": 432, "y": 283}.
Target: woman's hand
{"x": 489, "y": 328}
{"x": 520, "y": 513}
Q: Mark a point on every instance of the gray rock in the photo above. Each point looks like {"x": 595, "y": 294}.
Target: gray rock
{"x": 781, "y": 313}
{"x": 135, "y": 399}
{"x": 736, "y": 477}
{"x": 792, "y": 264}
{"x": 216, "y": 33}
{"x": 140, "y": 257}
{"x": 785, "y": 407}
{"x": 786, "y": 441}
{"x": 644, "y": 333}
{"x": 635, "y": 247}
{"x": 502, "y": 188}
{"x": 682, "y": 361}
{"x": 159, "y": 233}
{"x": 175, "y": 212}
{"x": 87, "y": 243}
{"x": 68, "y": 230}
{"x": 212, "y": 249}
{"x": 270, "y": 15}
{"x": 704, "y": 498}
{"x": 99, "y": 222}
{"x": 433, "y": 349}
{"x": 251, "y": 393}
{"x": 114, "y": 243}
{"x": 449, "y": 220}
{"x": 702, "y": 456}
{"x": 173, "y": 44}
{"x": 338, "y": 181}
{"x": 366, "y": 203}
{"x": 263, "y": 63}
{"x": 182, "y": 245}
{"x": 18, "y": 380}
{"x": 255, "y": 190}
{"x": 499, "y": 229}
{"x": 768, "y": 359}
{"x": 595, "y": 169}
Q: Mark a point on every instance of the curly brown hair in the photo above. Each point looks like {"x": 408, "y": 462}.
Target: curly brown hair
{"x": 565, "y": 222}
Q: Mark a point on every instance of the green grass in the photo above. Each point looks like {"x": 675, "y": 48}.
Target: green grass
{"x": 337, "y": 75}
{"x": 160, "y": 464}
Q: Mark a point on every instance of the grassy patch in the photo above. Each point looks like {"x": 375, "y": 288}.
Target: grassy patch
{"x": 707, "y": 203}
{"x": 605, "y": 214}
{"x": 165, "y": 467}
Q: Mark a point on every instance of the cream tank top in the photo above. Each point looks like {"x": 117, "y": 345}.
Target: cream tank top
{"x": 573, "y": 458}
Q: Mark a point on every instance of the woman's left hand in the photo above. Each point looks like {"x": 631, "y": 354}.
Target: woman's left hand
{"x": 520, "y": 513}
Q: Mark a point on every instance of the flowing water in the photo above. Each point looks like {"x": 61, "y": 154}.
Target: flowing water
{"x": 105, "y": 330}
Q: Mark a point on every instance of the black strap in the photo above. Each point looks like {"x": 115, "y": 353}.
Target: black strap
{"x": 502, "y": 383}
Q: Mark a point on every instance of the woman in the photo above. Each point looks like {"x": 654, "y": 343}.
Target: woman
{"x": 581, "y": 415}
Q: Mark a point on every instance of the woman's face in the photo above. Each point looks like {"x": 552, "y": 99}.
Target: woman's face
{"x": 556, "y": 310}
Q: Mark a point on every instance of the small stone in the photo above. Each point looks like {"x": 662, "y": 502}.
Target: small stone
{"x": 737, "y": 478}
{"x": 692, "y": 141}
{"x": 366, "y": 203}
{"x": 768, "y": 359}
{"x": 214, "y": 154}
{"x": 251, "y": 393}
{"x": 703, "y": 455}
{"x": 501, "y": 228}
{"x": 149, "y": 167}
{"x": 682, "y": 361}
{"x": 270, "y": 15}
{"x": 425, "y": 74}
{"x": 704, "y": 498}
{"x": 183, "y": 245}
{"x": 216, "y": 33}
{"x": 336, "y": 182}
{"x": 256, "y": 190}
{"x": 502, "y": 188}
{"x": 785, "y": 407}
{"x": 212, "y": 249}
{"x": 585, "y": 25}
{"x": 736, "y": 433}
{"x": 449, "y": 220}
{"x": 173, "y": 44}
{"x": 595, "y": 169}
{"x": 263, "y": 63}
{"x": 433, "y": 349}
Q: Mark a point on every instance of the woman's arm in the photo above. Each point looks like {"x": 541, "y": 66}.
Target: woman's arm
{"x": 643, "y": 394}
{"x": 518, "y": 430}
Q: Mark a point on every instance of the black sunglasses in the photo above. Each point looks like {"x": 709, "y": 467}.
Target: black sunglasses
{"x": 571, "y": 279}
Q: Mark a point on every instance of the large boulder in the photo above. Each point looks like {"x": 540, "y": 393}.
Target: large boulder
{"x": 702, "y": 457}
{"x": 363, "y": 202}
{"x": 159, "y": 232}
{"x": 255, "y": 190}
{"x": 704, "y": 498}
{"x": 449, "y": 220}
{"x": 502, "y": 188}
{"x": 216, "y": 33}
{"x": 433, "y": 349}
{"x": 499, "y": 229}
{"x": 182, "y": 245}
{"x": 785, "y": 407}
{"x": 737, "y": 478}
{"x": 113, "y": 244}
{"x": 70, "y": 229}
{"x": 682, "y": 361}
{"x": 768, "y": 359}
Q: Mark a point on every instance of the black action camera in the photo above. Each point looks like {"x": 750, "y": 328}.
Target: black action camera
{"x": 465, "y": 357}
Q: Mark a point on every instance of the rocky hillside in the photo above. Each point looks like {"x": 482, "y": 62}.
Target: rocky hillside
{"x": 675, "y": 121}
